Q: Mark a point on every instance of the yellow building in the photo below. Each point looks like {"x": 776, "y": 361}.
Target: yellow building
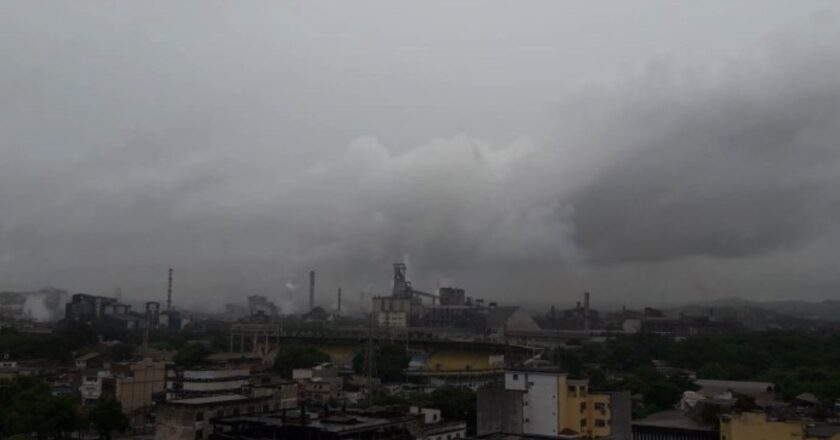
{"x": 760, "y": 426}
{"x": 546, "y": 402}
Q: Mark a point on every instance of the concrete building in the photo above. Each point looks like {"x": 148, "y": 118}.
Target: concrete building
{"x": 392, "y": 312}
{"x": 94, "y": 385}
{"x": 673, "y": 425}
{"x": 91, "y": 360}
{"x": 324, "y": 370}
{"x": 451, "y": 296}
{"x": 433, "y": 427}
{"x": 135, "y": 385}
{"x": 204, "y": 382}
{"x": 321, "y": 390}
{"x": 310, "y": 425}
{"x": 548, "y": 403}
{"x": 189, "y": 419}
{"x": 762, "y": 392}
{"x": 761, "y": 426}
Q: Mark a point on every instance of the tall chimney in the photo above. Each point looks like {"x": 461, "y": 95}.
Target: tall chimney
{"x": 339, "y": 300}
{"x": 169, "y": 292}
{"x": 311, "y": 290}
{"x": 586, "y": 322}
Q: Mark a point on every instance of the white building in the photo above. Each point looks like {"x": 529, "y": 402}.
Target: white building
{"x": 205, "y": 382}
{"x": 435, "y": 428}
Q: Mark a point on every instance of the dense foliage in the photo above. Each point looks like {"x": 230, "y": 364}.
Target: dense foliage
{"x": 298, "y": 356}
{"x": 106, "y": 417}
{"x": 391, "y": 362}
{"x": 26, "y": 406}
{"x": 191, "y": 355}
{"x": 57, "y": 346}
{"x": 795, "y": 361}
{"x": 454, "y": 403}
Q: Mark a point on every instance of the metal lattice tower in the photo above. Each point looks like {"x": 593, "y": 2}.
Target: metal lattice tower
{"x": 311, "y": 290}
{"x": 369, "y": 367}
{"x": 169, "y": 292}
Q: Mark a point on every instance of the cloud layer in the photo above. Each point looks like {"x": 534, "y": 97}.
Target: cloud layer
{"x": 244, "y": 149}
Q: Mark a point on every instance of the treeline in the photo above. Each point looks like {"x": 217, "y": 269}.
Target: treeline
{"x": 795, "y": 361}
{"x": 28, "y": 409}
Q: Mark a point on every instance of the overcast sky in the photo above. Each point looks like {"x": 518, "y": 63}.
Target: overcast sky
{"x": 526, "y": 151}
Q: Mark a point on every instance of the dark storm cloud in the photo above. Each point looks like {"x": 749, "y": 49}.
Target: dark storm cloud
{"x": 740, "y": 165}
{"x": 245, "y": 146}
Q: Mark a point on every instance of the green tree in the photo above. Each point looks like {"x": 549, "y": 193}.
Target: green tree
{"x": 122, "y": 352}
{"x": 107, "y": 416}
{"x": 191, "y": 355}
{"x": 298, "y": 356}
{"x": 28, "y": 408}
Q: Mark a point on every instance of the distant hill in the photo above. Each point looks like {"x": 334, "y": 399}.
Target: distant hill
{"x": 827, "y": 310}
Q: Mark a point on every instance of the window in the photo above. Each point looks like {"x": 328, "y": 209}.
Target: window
{"x": 582, "y": 406}
{"x": 199, "y": 416}
{"x": 600, "y": 406}
{"x": 572, "y": 389}
{"x": 199, "y": 434}
{"x": 600, "y": 423}
{"x": 515, "y": 376}
{"x": 220, "y": 413}
{"x": 236, "y": 411}
{"x": 582, "y": 423}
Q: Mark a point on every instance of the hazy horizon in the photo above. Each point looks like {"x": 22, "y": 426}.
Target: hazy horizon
{"x": 524, "y": 152}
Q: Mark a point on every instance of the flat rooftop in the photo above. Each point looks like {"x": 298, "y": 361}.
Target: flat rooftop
{"x": 337, "y": 423}
{"x": 209, "y": 399}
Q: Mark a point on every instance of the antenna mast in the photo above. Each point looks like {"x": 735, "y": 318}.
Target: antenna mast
{"x": 169, "y": 292}
{"x": 370, "y": 359}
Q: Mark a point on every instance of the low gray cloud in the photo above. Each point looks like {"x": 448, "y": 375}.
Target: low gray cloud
{"x": 246, "y": 146}
{"x": 737, "y": 165}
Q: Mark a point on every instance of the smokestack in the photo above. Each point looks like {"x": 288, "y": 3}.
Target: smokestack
{"x": 586, "y": 322}
{"x": 169, "y": 292}
{"x": 311, "y": 290}
{"x": 339, "y": 300}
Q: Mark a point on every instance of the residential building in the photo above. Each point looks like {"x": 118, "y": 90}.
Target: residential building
{"x": 324, "y": 370}
{"x": 546, "y": 402}
{"x": 761, "y": 392}
{"x": 135, "y": 384}
{"x": 189, "y": 419}
{"x": 321, "y": 389}
{"x": 205, "y": 382}
{"x": 326, "y": 425}
{"x": 95, "y": 385}
{"x": 673, "y": 425}
{"x": 92, "y": 360}
{"x": 433, "y": 427}
{"x": 761, "y": 426}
